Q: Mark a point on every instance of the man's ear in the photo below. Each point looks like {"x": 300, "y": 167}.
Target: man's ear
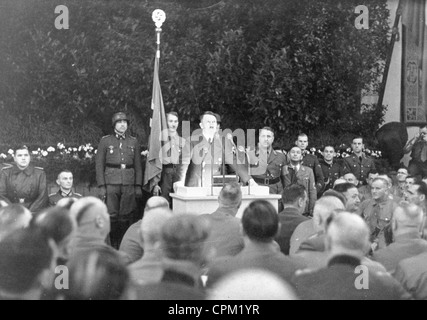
{"x": 99, "y": 221}
{"x": 57, "y": 182}
{"x": 201, "y": 126}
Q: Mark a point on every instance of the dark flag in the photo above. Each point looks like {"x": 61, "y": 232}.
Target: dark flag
{"x": 158, "y": 133}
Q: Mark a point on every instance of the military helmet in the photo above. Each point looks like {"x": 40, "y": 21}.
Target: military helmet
{"x": 119, "y": 116}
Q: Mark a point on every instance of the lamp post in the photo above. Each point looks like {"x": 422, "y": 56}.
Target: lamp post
{"x": 159, "y": 16}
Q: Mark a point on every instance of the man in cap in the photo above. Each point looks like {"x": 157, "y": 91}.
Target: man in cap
{"x": 23, "y": 183}
{"x": 119, "y": 175}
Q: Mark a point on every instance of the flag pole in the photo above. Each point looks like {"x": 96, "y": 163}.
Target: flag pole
{"x": 153, "y": 168}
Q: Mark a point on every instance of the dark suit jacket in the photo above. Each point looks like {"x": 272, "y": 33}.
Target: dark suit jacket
{"x": 225, "y": 236}
{"x": 289, "y": 219}
{"x": 207, "y": 158}
{"x": 264, "y": 256}
{"x": 337, "y": 282}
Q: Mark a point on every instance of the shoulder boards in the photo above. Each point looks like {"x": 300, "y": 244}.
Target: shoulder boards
{"x": 131, "y": 137}
{"x": 77, "y": 194}
{"x": 4, "y": 168}
{"x": 52, "y": 194}
{"x": 40, "y": 168}
{"x": 108, "y": 135}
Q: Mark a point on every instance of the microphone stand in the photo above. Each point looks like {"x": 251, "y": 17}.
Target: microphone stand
{"x": 212, "y": 166}
{"x": 249, "y": 171}
{"x": 223, "y": 162}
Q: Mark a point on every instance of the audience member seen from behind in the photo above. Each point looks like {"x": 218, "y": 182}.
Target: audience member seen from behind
{"x": 98, "y": 274}
{"x": 93, "y": 224}
{"x": 132, "y": 244}
{"x": 60, "y": 226}
{"x": 407, "y": 224}
{"x": 225, "y": 238}
{"x": 260, "y": 224}
{"x": 251, "y": 284}
{"x": 149, "y": 269}
{"x": 315, "y": 228}
{"x": 294, "y": 198}
{"x": 26, "y": 264}
{"x": 12, "y": 218}
{"x": 347, "y": 242}
{"x": 183, "y": 245}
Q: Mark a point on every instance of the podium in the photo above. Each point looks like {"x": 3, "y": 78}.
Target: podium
{"x": 196, "y": 200}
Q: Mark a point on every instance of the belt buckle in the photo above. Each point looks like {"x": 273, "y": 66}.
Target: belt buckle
{"x": 267, "y": 181}
{"x": 122, "y": 166}
{"x": 21, "y": 200}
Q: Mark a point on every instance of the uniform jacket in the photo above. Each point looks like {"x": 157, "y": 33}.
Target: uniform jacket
{"x": 378, "y": 215}
{"x": 177, "y": 152}
{"x": 116, "y": 152}
{"x": 206, "y": 158}
{"x": 331, "y": 172}
{"x": 417, "y": 149}
{"x": 305, "y": 177}
{"x": 337, "y": 282}
{"x": 404, "y": 246}
{"x": 272, "y": 166}
{"x": 55, "y": 197}
{"x": 360, "y": 169}
{"x": 27, "y": 187}
{"x": 412, "y": 274}
{"x": 311, "y": 161}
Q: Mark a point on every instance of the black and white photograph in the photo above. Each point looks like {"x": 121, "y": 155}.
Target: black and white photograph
{"x": 213, "y": 151}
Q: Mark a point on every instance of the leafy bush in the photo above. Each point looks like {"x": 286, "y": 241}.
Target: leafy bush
{"x": 296, "y": 65}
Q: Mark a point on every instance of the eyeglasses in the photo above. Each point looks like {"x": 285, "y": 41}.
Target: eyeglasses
{"x": 402, "y": 172}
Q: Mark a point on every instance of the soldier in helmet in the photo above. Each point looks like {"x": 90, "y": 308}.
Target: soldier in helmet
{"x": 119, "y": 175}
{"x": 24, "y": 183}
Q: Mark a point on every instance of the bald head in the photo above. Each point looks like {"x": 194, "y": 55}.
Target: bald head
{"x": 230, "y": 196}
{"x": 152, "y": 224}
{"x": 348, "y": 233}
{"x": 323, "y": 209}
{"x": 156, "y": 202}
{"x": 251, "y": 284}
{"x": 92, "y": 217}
{"x": 407, "y": 215}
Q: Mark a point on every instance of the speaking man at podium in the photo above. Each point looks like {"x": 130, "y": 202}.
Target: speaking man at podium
{"x": 208, "y": 155}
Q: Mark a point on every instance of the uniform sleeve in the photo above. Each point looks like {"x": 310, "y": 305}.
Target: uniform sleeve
{"x": 3, "y": 186}
{"x": 232, "y": 160}
{"x": 320, "y": 183}
{"x": 137, "y": 164}
{"x": 312, "y": 191}
{"x": 100, "y": 163}
{"x": 288, "y": 176}
{"x": 346, "y": 167}
{"x": 42, "y": 199}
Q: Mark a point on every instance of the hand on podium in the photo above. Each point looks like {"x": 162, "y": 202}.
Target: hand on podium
{"x": 157, "y": 190}
{"x": 177, "y": 184}
{"x": 252, "y": 183}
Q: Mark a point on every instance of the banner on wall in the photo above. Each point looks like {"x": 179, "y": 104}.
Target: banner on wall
{"x": 414, "y": 62}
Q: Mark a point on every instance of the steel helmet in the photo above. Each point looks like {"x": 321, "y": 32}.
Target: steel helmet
{"x": 119, "y": 116}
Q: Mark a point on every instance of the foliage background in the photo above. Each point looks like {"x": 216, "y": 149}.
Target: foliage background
{"x": 295, "y": 65}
